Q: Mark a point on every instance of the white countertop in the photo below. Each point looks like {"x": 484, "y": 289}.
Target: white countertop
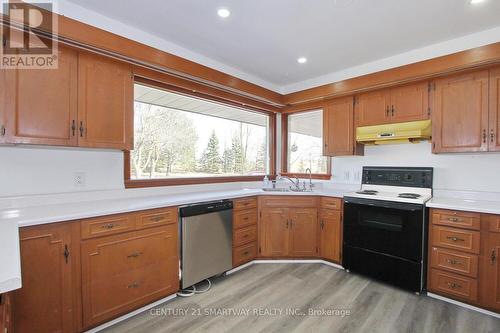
{"x": 471, "y": 205}
{"x": 13, "y": 218}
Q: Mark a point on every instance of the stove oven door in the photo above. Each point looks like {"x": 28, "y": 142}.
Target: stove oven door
{"x": 390, "y": 228}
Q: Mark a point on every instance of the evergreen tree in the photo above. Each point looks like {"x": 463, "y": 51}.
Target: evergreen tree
{"x": 237, "y": 153}
{"x": 261, "y": 158}
{"x": 210, "y": 160}
{"x": 228, "y": 161}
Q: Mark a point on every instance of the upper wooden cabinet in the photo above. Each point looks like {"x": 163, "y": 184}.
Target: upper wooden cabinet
{"x": 373, "y": 108}
{"x": 42, "y": 103}
{"x": 49, "y": 259}
{"x": 460, "y": 113}
{"x": 395, "y": 105}
{"x": 339, "y": 130}
{"x": 105, "y": 103}
{"x": 87, "y": 101}
{"x": 494, "y": 114}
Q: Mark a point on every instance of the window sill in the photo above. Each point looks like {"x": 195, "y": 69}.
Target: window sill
{"x": 306, "y": 175}
{"x": 137, "y": 183}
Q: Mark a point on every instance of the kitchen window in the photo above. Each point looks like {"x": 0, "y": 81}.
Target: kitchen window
{"x": 303, "y": 144}
{"x": 183, "y": 139}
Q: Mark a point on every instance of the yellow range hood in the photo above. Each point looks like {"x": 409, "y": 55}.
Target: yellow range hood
{"x": 411, "y": 132}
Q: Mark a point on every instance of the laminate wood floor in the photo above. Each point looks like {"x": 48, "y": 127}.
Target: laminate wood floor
{"x": 251, "y": 300}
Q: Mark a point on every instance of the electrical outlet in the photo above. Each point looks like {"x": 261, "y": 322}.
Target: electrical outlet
{"x": 79, "y": 179}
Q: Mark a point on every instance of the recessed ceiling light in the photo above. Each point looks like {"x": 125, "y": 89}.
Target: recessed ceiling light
{"x": 476, "y": 2}
{"x": 223, "y": 12}
{"x": 302, "y": 60}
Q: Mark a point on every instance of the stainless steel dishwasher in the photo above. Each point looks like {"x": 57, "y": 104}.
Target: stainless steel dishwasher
{"x": 206, "y": 234}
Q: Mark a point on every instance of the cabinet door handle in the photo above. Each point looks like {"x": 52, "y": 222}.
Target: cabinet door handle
{"x": 82, "y": 129}
{"x": 287, "y": 224}
{"x": 492, "y": 136}
{"x": 322, "y": 224}
{"x": 66, "y": 253}
{"x": 134, "y": 255}
{"x": 73, "y": 127}
{"x": 392, "y": 111}
{"x": 455, "y": 239}
{"x": 493, "y": 256}
{"x": 2, "y": 130}
{"x": 387, "y": 111}
{"x": 484, "y": 136}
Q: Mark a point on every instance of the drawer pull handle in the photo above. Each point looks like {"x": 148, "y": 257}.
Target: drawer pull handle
{"x": 245, "y": 253}
{"x": 454, "y": 219}
{"x": 156, "y": 218}
{"x": 493, "y": 256}
{"x": 245, "y": 219}
{"x": 455, "y": 239}
{"x": 134, "y": 255}
{"x": 246, "y": 235}
{"x": 109, "y": 226}
{"x": 133, "y": 285}
{"x": 453, "y": 262}
{"x": 453, "y": 285}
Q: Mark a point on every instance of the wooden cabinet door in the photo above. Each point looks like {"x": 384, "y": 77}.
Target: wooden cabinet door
{"x": 42, "y": 103}
{"x": 45, "y": 301}
{"x": 338, "y": 128}
{"x": 494, "y": 131}
{"x": 410, "y": 103}
{"x": 275, "y": 226}
{"x": 330, "y": 234}
{"x": 373, "y": 108}
{"x": 303, "y": 241}
{"x": 460, "y": 113}
{"x": 490, "y": 281}
{"x": 145, "y": 268}
{"x": 105, "y": 103}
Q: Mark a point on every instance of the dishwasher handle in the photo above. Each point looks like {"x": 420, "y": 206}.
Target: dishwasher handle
{"x": 205, "y": 208}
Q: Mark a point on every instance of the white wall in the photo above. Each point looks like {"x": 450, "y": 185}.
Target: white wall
{"x": 35, "y": 170}
{"x": 466, "y": 172}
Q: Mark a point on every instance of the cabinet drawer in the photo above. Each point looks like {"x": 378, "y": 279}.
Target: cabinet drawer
{"x": 244, "y": 218}
{"x": 243, "y": 254}
{"x": 127, "y": 252}
{"x": 108, "y": 298}
{"x": 454, "y": 285}
{"x": 157, "y": 217}
{"x": 244, "y": 235}
{"x": 289, "y": 201}
{"x": 456, "y": 219}
{"x": 456, "y": 262}
{"x": 330, "y": 203}
{"x": 107, "y": 225}
{"x": 457, "y": 239}
{"x": 244, "y": 203}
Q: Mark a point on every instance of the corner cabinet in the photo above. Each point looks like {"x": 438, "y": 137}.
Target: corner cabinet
{"x": 105, "y": 103}
{"x": 288, "y": 227}
{"x": 400, "y": 104}
{"x": 460, "y": 113}
{"x": 339, "y": 131}
{"x": 86, "y": 101}
{"x": 47, "y": 301}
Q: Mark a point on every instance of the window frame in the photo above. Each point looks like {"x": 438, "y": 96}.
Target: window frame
{"x": 284, "y": 150}
{"x": 138, "y": 183}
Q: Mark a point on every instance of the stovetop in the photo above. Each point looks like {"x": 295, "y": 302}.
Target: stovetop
{"x": 398, "y": 184}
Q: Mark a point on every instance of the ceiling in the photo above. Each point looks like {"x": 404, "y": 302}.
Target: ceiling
{"x": 264, "y": 38}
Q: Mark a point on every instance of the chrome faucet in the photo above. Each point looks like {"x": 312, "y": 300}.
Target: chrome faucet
{"x": 295, "y": 183}
{"x": 311, "y": 185}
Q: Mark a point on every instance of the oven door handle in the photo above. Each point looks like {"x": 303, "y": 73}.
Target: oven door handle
{"x": 383, "y": 225}
{"x": 384, "y": 204}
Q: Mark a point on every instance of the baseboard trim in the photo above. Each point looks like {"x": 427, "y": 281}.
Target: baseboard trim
{"x": 464, "y": 305}
{"x": 130, "y": 314}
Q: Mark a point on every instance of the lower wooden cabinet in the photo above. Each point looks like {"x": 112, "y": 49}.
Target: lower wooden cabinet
{"x": 145, "y": 268}
{"x": 47, "y": 301}
{"x": 464, "y": 250}
{"x": 288, "y": 231}
{"x": 330, "y": 234}
{"x": 5, "y": 313}
{"x": 491, "y": 271}
{"x": 244, "y": 230}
